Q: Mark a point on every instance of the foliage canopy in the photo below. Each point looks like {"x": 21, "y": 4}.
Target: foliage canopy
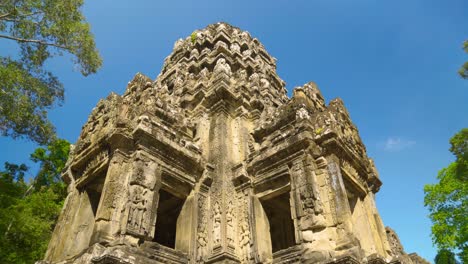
{"x": 42, "y": 29}
{"x": 445, "y": 256}
{"x": 28, "y": 211}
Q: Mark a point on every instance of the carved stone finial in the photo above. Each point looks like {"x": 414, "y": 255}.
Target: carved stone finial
{"x": 222, "y": 67}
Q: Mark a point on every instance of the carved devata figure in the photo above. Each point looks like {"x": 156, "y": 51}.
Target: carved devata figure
{"x": 230, "y": 223}
{"x": 310, "y": 203}
{"x": 312, "y": 208}
{"x": 217, "y": 224}
{"x": 137, "y": 209}
{"x": 202, "y": 238}
{"x": 244, "y": 227}
{"x": 202, "y": 241}
{"x": 245, "y": 239}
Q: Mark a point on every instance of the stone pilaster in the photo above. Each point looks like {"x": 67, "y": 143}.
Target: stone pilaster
{"x": 143, "y": 196}
{"x": 112, "y": 202}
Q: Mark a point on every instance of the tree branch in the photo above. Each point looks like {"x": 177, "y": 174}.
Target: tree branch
{"x": 38, "y": 41}
{"x": 12, "y": 20}
{"x": 5, "y": 15}
{"x": 30, "y": 14}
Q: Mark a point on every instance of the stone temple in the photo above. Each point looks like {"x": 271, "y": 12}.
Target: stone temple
{"x": 212, "y": 162}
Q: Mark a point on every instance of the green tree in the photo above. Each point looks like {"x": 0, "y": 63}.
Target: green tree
{"x": 445, "y": 256}
{"x": 28, "y": 212}
{"x": 12, "y": 185}
{"x": 42, "y": 29}
{"x": 447, "y": 200}
{"x": 52, "y": 160}
{"x": 464, "y": 69}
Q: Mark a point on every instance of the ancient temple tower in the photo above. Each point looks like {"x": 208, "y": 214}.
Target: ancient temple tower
{"x": 213, "y": 163}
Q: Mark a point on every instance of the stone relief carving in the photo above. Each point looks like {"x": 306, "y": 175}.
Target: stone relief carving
{"x": 139, "y": 170}
{"x": 245, "y": 245}
{"x": 245, "y": 240}
{"x": 194, "y": 53}
{"x": 235, "y": 47}
{"x": 217, "y": 224}
{"x": 202, "y": 233}
{"x": 353, "y": 172}
{"x": 137, "y": 215}
{"x": 221, "y": 43}
{"x": 204, "y": 76}
{"x": 302, "y": 114}
{"x": 230, "y": 223}
{"x": 264, "y": 84}
{"x": 310, "y": 203}
{"x": 222, "y": 67}
{"x": 98, "y": 159}
{"x": 242, "y": 75}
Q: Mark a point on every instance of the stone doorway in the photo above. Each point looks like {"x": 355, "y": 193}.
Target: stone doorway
{"x": 166, "y": 222}
{"x": 278, "y": 211}
{"x": 94, "y": 191}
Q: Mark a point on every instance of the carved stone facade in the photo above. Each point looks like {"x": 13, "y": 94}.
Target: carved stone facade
{"x": 213, "y": 163}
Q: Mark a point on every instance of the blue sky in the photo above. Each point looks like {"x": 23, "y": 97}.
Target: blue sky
{"x": 393, "y": 63}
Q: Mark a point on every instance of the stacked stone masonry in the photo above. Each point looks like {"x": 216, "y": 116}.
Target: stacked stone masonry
{"x": 213, "y": 163}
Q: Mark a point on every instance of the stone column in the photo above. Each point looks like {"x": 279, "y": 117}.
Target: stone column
{"x": 309, "y": 208}
{"x": 222, "y": 215}
{"x": 346, "y": 240}
{"x": 113, "y": 200}
{"x": 58, "y": 247}
{"x": 245, "y": 219}
{"x": 201, "y": 248}
{"x": 186, "y": 226}
{"x": 378, "y": 229}
{"x": 261, "y": 232}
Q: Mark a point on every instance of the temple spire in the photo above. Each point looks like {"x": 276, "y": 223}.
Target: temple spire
{"x": 211, "y": 162}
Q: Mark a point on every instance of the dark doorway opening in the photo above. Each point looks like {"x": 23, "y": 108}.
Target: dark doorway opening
{"x": 166, "y": 222}
{"x": 94, "y": 191}
{"x": 278, "y": 211}
{"x": 352, "y": 200}
{"x": 353, "y": 196}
